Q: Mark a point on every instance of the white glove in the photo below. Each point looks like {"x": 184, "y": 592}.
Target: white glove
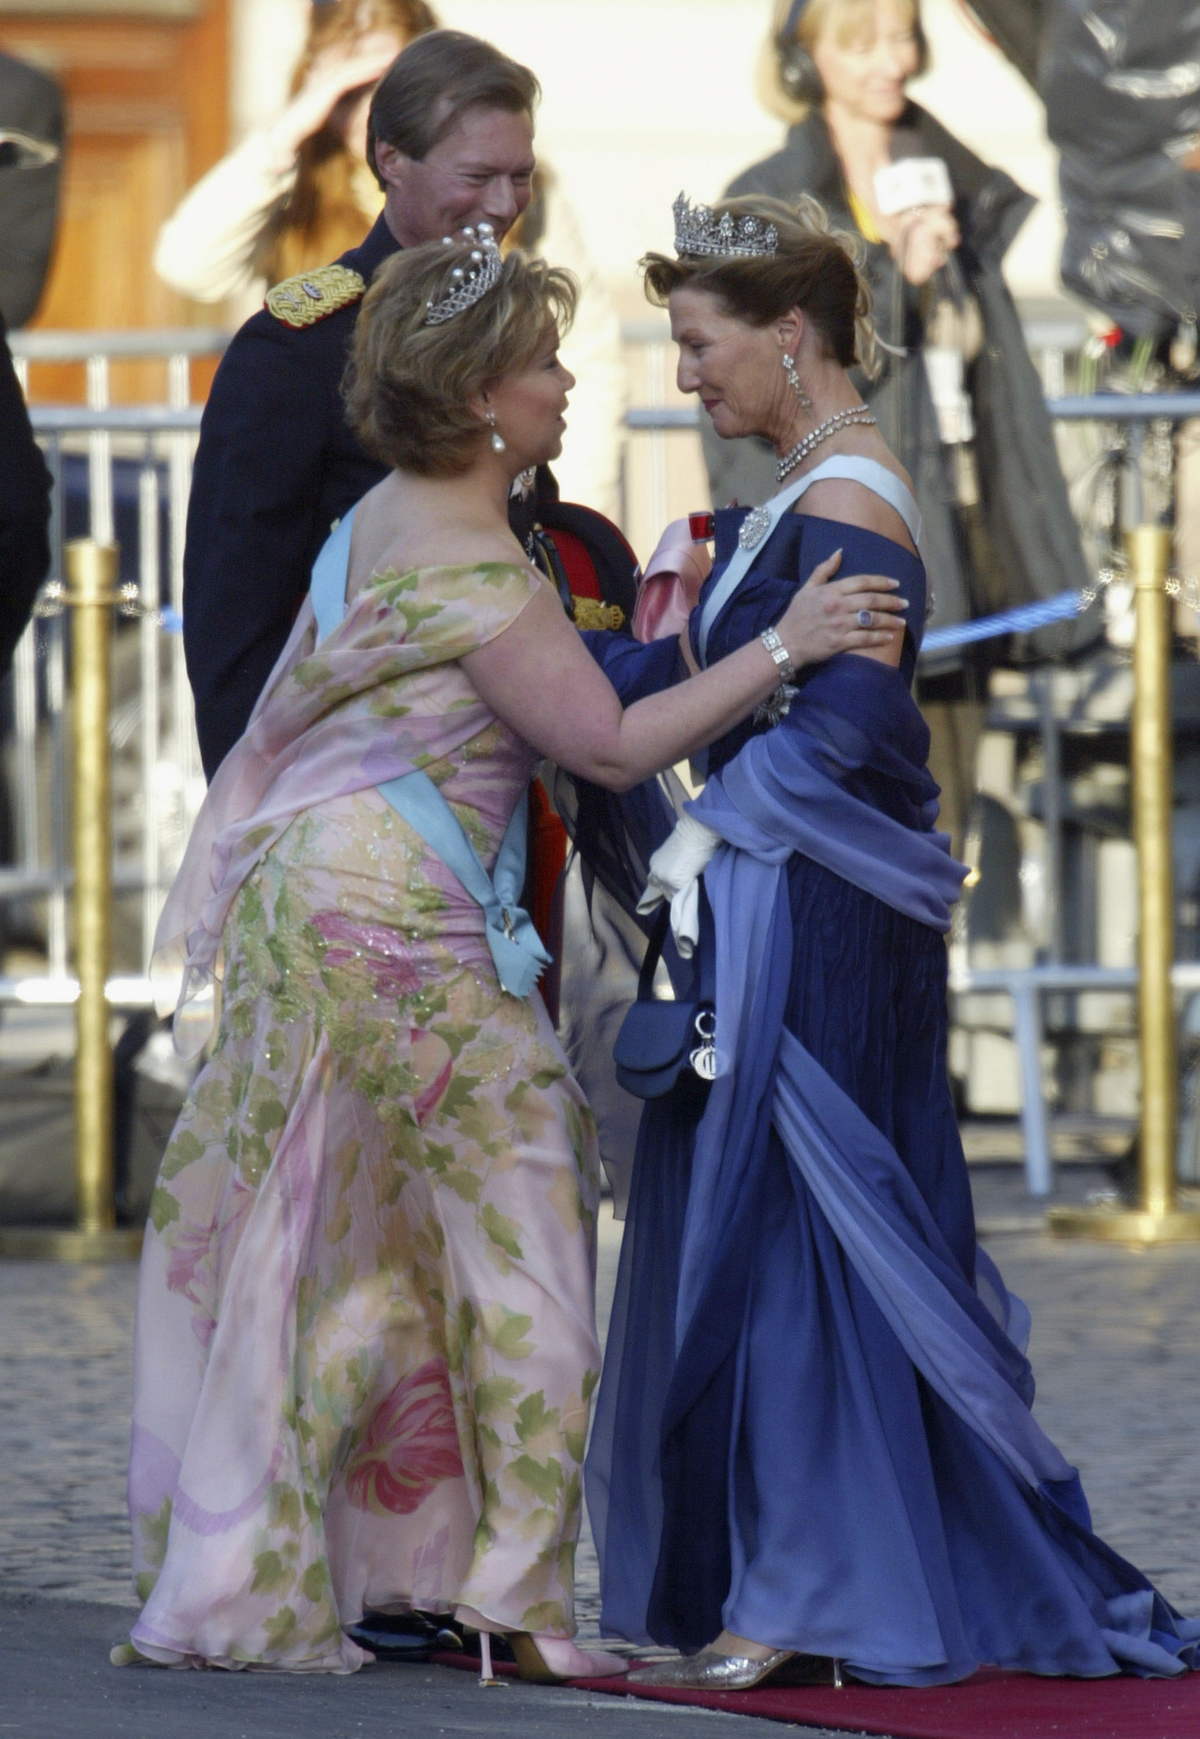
{"x": 675, "y": 871}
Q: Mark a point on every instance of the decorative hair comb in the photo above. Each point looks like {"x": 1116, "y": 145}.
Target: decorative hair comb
{"x": 699, "y": 233}
{"x": 470, "y": 283}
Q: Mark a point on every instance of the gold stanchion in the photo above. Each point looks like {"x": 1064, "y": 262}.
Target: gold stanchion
{"x": 91, "y": 594}
{"x": 1157, "y": 1219}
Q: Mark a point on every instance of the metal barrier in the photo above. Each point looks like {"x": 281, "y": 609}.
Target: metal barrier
{"x": 154, "y": 444}
{"x": 1176, "y": 407}
{"x": 1027, "y": 986}
{"x": 1053, "y": 340}
{"x": 91, "y": 595}
{"x": 1158, "y": 1217}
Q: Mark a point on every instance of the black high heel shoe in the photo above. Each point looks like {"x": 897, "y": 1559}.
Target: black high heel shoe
{"x": 410, "y": 1637}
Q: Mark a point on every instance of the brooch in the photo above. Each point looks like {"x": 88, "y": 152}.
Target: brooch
{"x": 754, "y": 527}
{"x": 777, "y": 707}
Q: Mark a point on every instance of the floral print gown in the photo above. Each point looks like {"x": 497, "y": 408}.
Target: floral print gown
{"x": 365, "y": 1343}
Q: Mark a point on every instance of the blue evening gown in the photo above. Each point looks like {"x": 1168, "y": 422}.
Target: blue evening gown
{"x": 814, "y": 1420}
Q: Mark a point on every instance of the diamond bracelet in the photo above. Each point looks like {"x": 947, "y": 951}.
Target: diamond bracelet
{"x": 779, "y": 652}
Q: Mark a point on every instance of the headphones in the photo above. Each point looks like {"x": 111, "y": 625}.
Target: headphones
{"x": 797, "y": 71}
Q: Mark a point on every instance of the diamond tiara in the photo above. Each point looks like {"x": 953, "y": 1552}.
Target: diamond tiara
{"x": 471, "y": 282}
{"x": 698, "y": 233}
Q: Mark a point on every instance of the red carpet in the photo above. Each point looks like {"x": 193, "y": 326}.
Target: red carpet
{"x": 991, "y": 1705}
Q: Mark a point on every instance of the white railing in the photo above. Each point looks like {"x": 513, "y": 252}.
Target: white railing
{"x": 1027, "y": 985}
{"x": 158, "y": 784}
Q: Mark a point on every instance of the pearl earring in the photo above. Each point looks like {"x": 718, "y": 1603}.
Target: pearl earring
{"x": 789, "y": 368}
{"x": 498, "y": 441}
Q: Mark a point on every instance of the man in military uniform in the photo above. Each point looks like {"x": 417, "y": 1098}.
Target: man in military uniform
{"x": 450, "y": 138}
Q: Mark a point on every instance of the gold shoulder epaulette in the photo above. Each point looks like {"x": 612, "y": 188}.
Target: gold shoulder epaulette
{"x": 591, "y": 613}
{"x": 311, "y": 296}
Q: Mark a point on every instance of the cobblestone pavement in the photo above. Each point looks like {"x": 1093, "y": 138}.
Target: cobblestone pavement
{"x": 1117, "y": 1362}
{"x": 1114, "y": 1346}
{"x": 64, "y": 1429}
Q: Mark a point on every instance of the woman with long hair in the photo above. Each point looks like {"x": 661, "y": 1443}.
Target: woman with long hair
{"x": 365, "y": 1343}
{"x": 295, "y": 195}
{"x": 815, "y": 1450}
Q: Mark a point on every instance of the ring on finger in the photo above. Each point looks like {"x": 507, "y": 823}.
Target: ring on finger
{"x": 864, "y": 618}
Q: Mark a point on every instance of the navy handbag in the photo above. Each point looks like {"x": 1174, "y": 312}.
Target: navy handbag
{"x": 667, "y": 1047}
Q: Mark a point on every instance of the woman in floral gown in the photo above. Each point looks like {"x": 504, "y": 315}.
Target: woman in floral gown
{"x": 365, "y": 1338}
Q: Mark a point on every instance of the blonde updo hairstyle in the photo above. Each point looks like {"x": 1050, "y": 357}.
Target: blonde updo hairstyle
{"x": 814, "y": 268}
{"x": 409, "y": 386}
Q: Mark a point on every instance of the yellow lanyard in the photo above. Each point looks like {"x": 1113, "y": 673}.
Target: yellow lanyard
{"x": 862, "y": 217}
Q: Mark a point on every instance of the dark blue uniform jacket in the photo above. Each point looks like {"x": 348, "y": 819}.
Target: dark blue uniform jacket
{"x": 276, "y": 465}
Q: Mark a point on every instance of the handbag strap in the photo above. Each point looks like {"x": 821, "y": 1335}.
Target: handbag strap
{"x": 655, "y": 943}
{"x": 516, "y": 948}
{"x": 706, "y": 952}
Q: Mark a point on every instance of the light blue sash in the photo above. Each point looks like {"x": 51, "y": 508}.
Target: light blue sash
{"x": 516, "y": 947}
{"x": 869, "y": 472}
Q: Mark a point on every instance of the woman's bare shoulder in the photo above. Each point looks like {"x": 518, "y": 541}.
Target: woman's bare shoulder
{"x": 380, "y": 546}
{"x": 453, "y": 547}
{"x": 857, "y": 504}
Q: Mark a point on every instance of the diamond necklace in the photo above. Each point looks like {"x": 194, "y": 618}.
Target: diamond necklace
{"x": 822, "y": 432}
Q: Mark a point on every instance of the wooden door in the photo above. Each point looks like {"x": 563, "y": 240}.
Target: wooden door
{"x": 147, "y": 113}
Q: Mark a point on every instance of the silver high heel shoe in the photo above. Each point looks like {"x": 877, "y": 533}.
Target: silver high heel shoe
{"x": 710, "y": 1671}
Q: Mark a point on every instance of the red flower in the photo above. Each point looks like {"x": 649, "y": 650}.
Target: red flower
{"x": 411, "y": 1444}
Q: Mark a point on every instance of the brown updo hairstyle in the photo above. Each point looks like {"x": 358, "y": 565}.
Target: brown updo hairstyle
{"x": 409, "y": 386}
{"x": 814, "y": 268}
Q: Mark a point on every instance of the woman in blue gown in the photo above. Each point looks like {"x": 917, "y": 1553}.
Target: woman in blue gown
{"x": 814, "y": 1447}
